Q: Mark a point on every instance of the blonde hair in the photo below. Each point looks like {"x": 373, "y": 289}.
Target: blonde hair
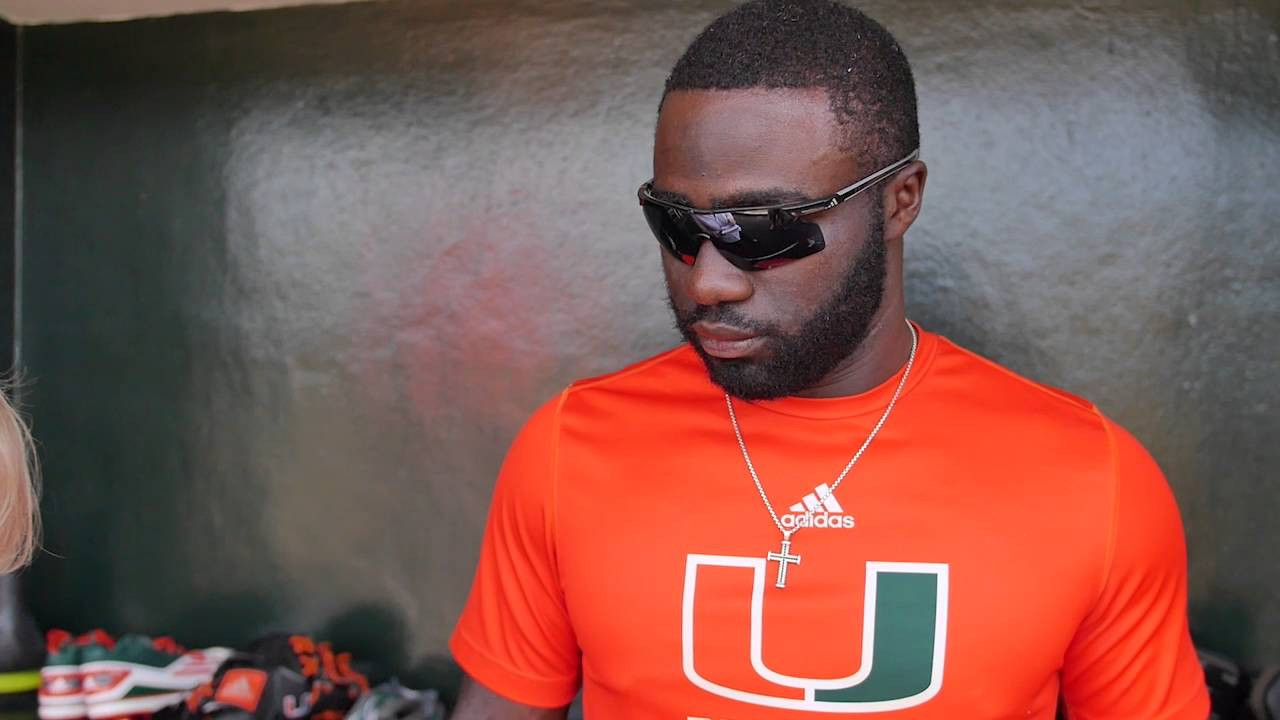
{"x": 19, "y": 489}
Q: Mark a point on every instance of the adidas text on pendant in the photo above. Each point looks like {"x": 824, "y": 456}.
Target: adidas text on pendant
{"x": 827, "y": 513}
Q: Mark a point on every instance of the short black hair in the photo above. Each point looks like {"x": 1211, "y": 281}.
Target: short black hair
{"x": 813, "y": 44}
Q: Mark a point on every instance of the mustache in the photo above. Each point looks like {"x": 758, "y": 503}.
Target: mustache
{"x": 720, "y": 315}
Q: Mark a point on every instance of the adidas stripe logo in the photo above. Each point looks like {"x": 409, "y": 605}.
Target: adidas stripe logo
{"x": 827, "y": 512}
{"x": 810, "y": 501}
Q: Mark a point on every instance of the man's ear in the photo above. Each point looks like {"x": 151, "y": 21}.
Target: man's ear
{"x": 903, "y": 198}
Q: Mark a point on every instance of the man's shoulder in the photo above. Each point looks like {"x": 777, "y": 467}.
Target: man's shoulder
{"x": 1006, "y": 404}
{"x": 659, "y": 384}
{"x": 654, "y": 392}
{"x": 989, "y": 382}
{"x": 1052, "y": 434}
{"x": 677, "y": 371}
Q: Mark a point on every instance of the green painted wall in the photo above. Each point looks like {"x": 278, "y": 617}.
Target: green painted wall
{"x": 9, "y": 98}
{"x": 294, "y": 278}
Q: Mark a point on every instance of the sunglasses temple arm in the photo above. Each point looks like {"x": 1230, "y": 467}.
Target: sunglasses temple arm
{"x": 875, "y": 177}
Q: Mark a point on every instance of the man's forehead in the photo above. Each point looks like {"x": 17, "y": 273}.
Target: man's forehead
{"x": 710, "y": 120}
{"x": 758, "y": 146}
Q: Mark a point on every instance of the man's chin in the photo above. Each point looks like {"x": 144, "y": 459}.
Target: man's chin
{"x": 748, "y": 378}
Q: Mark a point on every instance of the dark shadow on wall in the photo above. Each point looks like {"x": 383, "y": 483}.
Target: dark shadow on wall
{"x": 10, "y": 95}
{"x": 378, "y": 638}
{"x": 1236, "y": 300}
{"x": 126, "y": 259}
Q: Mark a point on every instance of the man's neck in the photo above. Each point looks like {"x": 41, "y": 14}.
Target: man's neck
{"x": 877, "y": 358}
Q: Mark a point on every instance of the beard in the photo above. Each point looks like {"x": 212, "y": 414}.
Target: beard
{"x": 795, "y": 361}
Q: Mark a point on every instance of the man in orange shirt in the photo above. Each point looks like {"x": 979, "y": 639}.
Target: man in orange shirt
{"x": 816, "y": 508}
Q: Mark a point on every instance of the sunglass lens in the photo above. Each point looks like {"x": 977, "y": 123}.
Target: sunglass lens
{"x": 668, "y": 228}
{"x": 752, "y": 242}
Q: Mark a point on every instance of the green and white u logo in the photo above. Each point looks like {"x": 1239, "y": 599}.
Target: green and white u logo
{"x": 904, "y": 633}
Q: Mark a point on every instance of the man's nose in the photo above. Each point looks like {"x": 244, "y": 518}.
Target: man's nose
{"x": 714, "y": 280}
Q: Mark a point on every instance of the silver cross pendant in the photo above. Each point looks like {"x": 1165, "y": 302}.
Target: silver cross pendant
{"x": 784, "y": 558}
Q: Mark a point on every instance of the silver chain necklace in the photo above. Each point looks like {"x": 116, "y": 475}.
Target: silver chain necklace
{"x": 784, "y": 557}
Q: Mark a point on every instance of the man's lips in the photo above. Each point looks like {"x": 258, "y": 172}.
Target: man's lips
{"x": 726, "y": 342}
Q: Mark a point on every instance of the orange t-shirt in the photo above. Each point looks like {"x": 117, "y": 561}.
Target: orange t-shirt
{"x": 999, "y": 542}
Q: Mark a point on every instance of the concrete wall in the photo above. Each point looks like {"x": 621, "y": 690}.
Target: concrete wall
{"x": 294, "y": 278}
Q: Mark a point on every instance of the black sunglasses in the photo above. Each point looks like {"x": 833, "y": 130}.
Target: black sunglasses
{"x": 752, "y": 238}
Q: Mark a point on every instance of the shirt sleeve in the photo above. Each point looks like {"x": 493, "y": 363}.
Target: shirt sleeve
{"x": 514, "y": 635}
{"x": 1132, "y": 657}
